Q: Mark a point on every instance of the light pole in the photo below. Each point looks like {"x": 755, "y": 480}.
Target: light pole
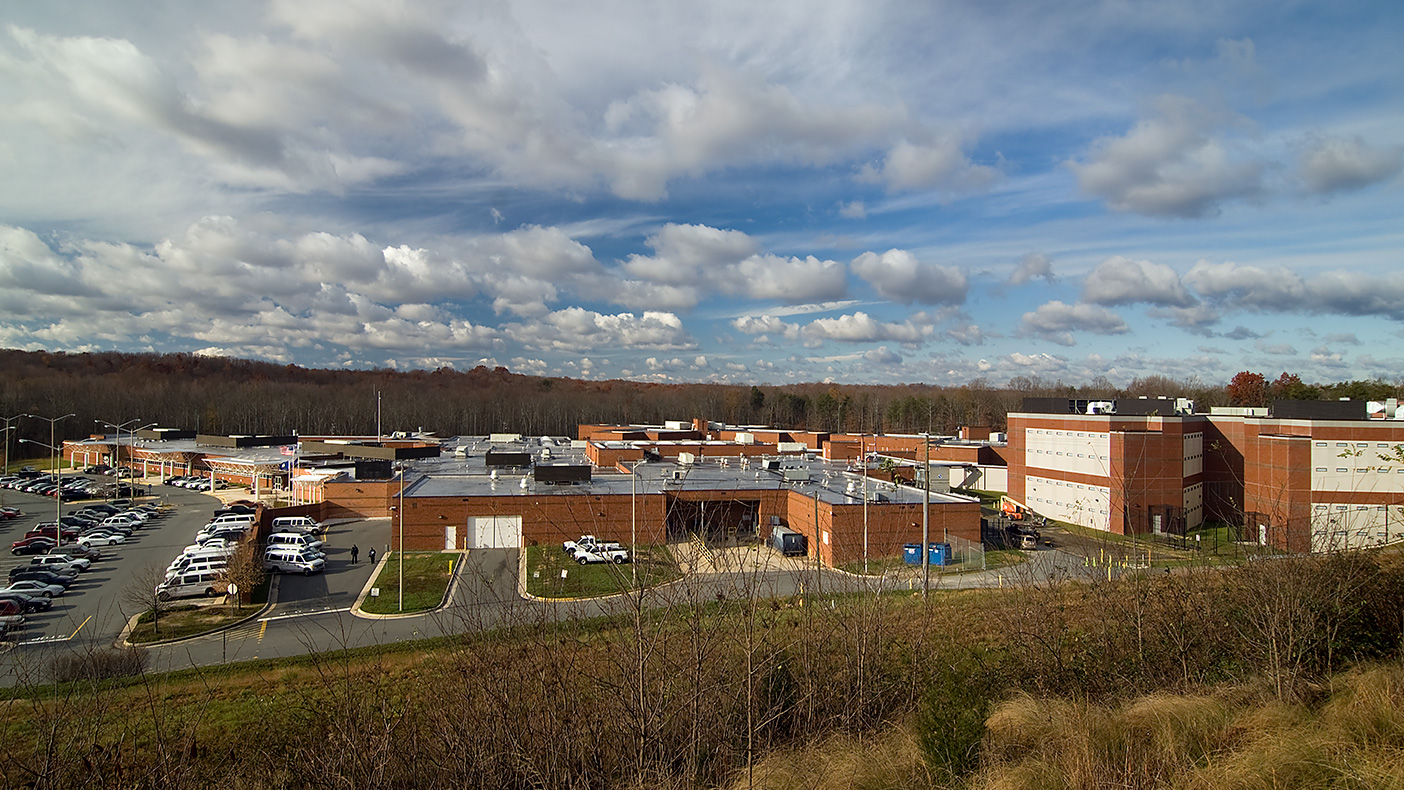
{"x": 117, "y": 457}
{"x": 401, "y": 552}
{"x": 8, "y": 428}
{"x": 58, "y": 494}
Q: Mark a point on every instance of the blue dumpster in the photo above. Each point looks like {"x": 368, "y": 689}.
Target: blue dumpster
{"x": 940, "y": 553}
{"x": 911, "y": 553}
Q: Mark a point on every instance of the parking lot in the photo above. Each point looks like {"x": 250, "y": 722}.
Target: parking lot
{"x": 102, "y": 599}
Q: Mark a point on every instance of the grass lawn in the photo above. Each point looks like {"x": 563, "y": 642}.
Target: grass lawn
{"x": 181, "y": 620}
{"x": 653, "y": 565}
{"x": 426, "y": 581}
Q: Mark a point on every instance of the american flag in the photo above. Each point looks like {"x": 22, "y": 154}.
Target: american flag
{"x": 288, "y": 449}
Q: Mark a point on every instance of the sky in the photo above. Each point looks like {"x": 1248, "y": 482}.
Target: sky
{"x": 743, "y": 192}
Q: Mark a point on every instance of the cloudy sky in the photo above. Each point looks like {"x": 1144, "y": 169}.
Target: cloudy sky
{"x": 755, "y": 192}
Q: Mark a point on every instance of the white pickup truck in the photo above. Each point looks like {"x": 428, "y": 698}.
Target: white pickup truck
{"x": 602, "y": 552}
{"x": 587, "y": 543}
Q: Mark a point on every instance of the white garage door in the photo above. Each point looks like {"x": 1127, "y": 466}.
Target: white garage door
{"x": 494, "y": 532}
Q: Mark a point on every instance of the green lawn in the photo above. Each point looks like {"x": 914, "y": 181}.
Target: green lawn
{"x": 653, "y": 565}
{"x": 427, "y": 576}
{"x": 182, "y": 620}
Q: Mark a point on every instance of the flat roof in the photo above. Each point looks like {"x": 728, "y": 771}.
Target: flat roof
{"x": 455, "y": 476}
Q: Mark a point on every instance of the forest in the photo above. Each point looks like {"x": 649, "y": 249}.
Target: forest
{"x": 221, "y": 395}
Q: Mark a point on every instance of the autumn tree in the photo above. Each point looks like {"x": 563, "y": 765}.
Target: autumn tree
{"x": 1248, "y": 389}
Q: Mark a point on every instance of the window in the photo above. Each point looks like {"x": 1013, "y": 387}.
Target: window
{"x": 1319, "y": 469}
{"x": 1363, "y": 444}
{"x": 1342, "y": 469}
{"x": 1342, "y": 444}
{"x": 1320, "y": 444}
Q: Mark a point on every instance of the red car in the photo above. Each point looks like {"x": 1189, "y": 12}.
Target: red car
{"x": 10, "y": 512}
{"x": 38, "y": 544}
{"x": 69, "y": 535}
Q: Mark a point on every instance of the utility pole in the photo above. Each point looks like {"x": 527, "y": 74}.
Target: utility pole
{"x": 926, "y": 521}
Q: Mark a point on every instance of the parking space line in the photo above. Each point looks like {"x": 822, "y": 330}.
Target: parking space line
{"x": 90, "y": 617}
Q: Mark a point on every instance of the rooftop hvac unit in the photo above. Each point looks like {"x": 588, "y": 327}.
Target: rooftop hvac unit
{"x": 796, "y": 475}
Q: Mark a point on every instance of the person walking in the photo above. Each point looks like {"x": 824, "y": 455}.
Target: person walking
{"x": 355, "y": 552}
{"x": 371, "y": 555}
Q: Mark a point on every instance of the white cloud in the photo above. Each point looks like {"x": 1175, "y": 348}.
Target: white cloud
{"x": 765, "y": 325}
{"x": 1032, "y": 265}
{"x": 1056, "y": 322}
{"x": 1336, "y": 164}
{"x": 1171, "y": 165}
{"x": 882, "y": 357}
{"x": 689, "y": 255}
{"x": 576, "y": 329}
{"x": 938, "y": 163}
{"x": 898, "y": 275}
{"x": 853, "y": 210}
{"x": 789, "y": 280}
{"x": 862, "y": 328}
{"x": 1121, "y": 281}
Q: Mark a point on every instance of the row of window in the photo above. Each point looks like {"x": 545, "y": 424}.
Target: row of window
{"x": 1379, "y": 469}
{"x": 1380, "y": 445}
{"x": 1068, "y": 454}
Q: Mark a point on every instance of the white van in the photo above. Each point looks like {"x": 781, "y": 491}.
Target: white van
{"x": 292, "y": 559}
{"x": 197, "y": 565}
{"x": 207, "y": 583}
{"x": 296, "y": 524}
{"x": 201, "y": 553}
{"x": 295, "y": 539}
{"x": 230, "y": 519}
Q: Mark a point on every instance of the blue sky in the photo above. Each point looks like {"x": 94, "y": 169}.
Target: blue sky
{"x": 724, "y": 191}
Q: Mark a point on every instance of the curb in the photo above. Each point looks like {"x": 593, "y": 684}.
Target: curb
{"x": 131, "y": 623}
{"x": 375, "y": 573}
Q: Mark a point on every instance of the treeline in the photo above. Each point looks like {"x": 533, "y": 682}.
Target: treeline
{"x": 225, "y": 396}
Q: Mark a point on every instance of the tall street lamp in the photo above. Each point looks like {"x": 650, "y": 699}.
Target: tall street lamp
{"x": 58, "y": 492}
{"x": 8, "y": 428}
{"x": 117, "y": 458}
{"x": 401, "y": 553}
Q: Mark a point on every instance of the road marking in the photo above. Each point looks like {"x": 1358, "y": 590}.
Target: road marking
{"x": 44, "y": 640}
{"x": 262, "y": 629}
{"x": 291, "y": 615}
{"x": 80, "y": 627}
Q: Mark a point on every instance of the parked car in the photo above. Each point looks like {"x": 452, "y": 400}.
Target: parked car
{"x": 101, "y": 538}
{"x": 11, "y": 614}
{"x": 35, "y": 545}
{"x": 44, "y": 575}
{"x": 79, "y": 550}
{"x": 49, "y": 530}
{"x": 35, "y": 587}
{"x": 97, "y": 469}
{"x": 29, "y": 602}
{"x": 60, "y": 562}
{"x": 8, "y": 513}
